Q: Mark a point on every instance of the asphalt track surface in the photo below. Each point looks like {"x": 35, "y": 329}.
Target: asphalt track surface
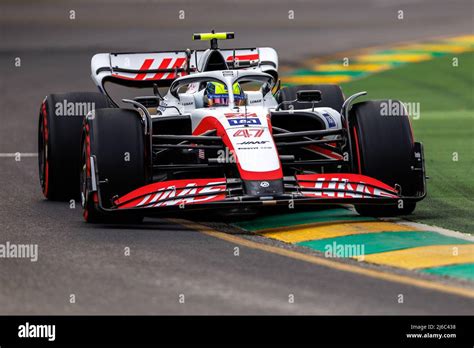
{"x": 167, "y": 259}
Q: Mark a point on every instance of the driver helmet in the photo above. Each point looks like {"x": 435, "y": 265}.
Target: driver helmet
{"x": 217, "y": 94}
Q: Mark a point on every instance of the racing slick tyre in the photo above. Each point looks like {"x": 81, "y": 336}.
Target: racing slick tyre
{"x": 116, "y": 138}
{"x": 331, "y": 95}
{"x": 383, "y": 149}
{"x": 59, "y": 137}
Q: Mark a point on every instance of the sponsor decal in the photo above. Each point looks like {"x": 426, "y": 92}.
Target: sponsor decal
{"x": 152, "y": 63}
{"x": 244, "y": 57}
{"x": 243, "y": 121}
{"x": 331, "y": 121}
{"x": 162, "y": 106}
{"x": 164, "y": 64}
{"x": 249, "y": 133}
{"x": 208, "y": 193}
{"x": 202, "y": 154}
{"x": 177, "y": 192}
{"x": 258, "y": 142}
{"x": 345, "y": 187}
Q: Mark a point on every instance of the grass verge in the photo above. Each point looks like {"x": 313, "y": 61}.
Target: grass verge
{"x": 445, "y": 125}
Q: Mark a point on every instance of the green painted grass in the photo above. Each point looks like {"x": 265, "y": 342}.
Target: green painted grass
{"x": 380, "y": 242}
{"x": 465, "y": 271}
{"x": 446, "y": 128}
{"x": 435, "y": 84}
{"x": 300, "y": 218}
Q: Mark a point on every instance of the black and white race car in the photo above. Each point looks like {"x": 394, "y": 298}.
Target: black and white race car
{"x": 225, "y": 135}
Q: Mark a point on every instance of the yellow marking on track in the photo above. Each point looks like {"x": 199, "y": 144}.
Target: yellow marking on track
{"x": 435, "y": 48}
{"x": 468, "y": 39}
{"x": 320, "y": 261}
{"x": 295, "y": 234}
{"x": 450, "y": 45}
{"x": 351, "y": 67}
{"x": 396, "y": 57}
{"x": 307, "y": 225}
{"x": 425, "y": 257}
{"x": 309, "y": 79}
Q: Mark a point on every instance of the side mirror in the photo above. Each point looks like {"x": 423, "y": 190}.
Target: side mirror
{"x": 309, "y": 96}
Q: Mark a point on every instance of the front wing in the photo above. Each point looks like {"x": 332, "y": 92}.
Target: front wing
{"x": 215, "y": 193}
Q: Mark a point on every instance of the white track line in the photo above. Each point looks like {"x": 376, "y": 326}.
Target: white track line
{"x": 15, "y": 154}
{"x": 444, "y": 231}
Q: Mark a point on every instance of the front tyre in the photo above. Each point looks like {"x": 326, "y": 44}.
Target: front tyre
{"x": 116, "y": 139}
{"x": 383, "y": 145}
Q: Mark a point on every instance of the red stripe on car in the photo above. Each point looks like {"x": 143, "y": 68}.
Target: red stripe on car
{"x": 325, "y": 152}
{"x": 145, "y": 66}
{"x": 163, "y": 65}
{"x": 357, "y": 150}
{"x": 178, "y": 64}
{"x": 243, "y": 57}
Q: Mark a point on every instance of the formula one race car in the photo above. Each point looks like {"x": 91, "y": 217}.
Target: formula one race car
{"x": 225, "y": 135}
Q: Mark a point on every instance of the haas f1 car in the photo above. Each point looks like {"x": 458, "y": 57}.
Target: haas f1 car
{"x": 224, "y": 135}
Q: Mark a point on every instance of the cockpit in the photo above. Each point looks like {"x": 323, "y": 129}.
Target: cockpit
{"x": 221, "y": 88}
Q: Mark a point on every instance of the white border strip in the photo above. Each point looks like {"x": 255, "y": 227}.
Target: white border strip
{"x": 425, "y": 227}
{"x": 444, "y": 231}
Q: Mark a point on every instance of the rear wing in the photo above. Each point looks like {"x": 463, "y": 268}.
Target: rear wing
{"x": 147, "y": 68}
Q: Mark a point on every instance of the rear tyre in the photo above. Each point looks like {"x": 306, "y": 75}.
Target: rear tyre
{"x": 59, "y": 137}
{"x": 383, "y": 146}
{"x": 331, "y": 97}
{"x": 115, "y": 137}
